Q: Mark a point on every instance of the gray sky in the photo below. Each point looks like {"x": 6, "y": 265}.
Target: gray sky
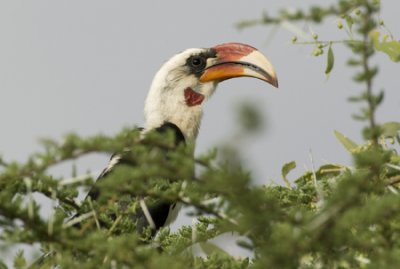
{"x": 86, "y": 66}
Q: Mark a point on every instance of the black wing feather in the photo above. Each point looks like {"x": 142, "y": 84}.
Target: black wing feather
{"x": 159, "y": 211}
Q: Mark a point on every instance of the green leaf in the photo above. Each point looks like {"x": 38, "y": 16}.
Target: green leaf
{"x": 19, "y": 260}
{"x": 350, "y": 22}
{"x": 330, "y": 60}
{"x": 353, "y": 62}
{"x": 357, "y": 98}
{"x": 286, "y": 168}
{"x": 379, "y": 97}
{"x": 210, "y": 248}
{"x": 391, "y": 48}
{"x": 3, "y": 265}
{"x": 346, "y": 142}
{"x": 390, "y": 129}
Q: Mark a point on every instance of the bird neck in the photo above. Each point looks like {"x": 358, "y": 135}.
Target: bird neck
{"x": 172, "y": 98}
{"x": 187, "y": 119}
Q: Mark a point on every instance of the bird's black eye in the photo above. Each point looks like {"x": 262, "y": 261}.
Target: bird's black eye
{"x": 197, "y": 63}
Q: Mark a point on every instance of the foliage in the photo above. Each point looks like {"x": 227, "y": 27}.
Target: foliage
{"x": 332, "y": 217}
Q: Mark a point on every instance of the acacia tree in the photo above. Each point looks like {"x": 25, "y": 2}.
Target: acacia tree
{"x": 333, "y": 217}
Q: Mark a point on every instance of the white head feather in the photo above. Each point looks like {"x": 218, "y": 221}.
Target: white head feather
{"x": 165, "y": 101}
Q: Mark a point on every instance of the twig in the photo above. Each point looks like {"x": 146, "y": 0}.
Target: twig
{"x": 147, "y": 214}
{"x": 370, "y": 97}
{"x": 94, "y": 213}
{"x": 344, "y": 41}
{"x": 114, "y": 225}
{"x": 78, "y": 219}
{"x": 28, "y": 183}
{"x": 203, "y": 207}
{"x": 393, "y": 180}
{"x": 320, "y": 196}
{"x": 77, "y": 179}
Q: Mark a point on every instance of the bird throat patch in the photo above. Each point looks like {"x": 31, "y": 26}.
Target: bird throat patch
{"x": 193, "y": 98}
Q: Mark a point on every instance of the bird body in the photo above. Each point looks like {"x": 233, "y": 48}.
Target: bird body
{"x": 175, "y": 100}
{"x": 175, "y": 103}
{"x": 156, "y": 215}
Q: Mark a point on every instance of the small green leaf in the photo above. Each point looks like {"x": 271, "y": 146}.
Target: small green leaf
{"x": 354, "y": 62}
{"x": 390, "y": 129}
{"x": 346, "y": 142}
{"x": 379, "y": 97}
{"x": 391, "y": 48}
{"x": 3, "y": 265}
{"x": 350, "y": 22}
{"x": 330, "y": 60}
{"x": 340, "y": 24}
{"x": 210, "y": 248}
{"x": 19, "y": 260}
{"x": 286, "y": 168}
{"x": 356, "y": 98}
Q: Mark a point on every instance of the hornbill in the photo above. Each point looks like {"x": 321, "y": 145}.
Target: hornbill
{"x": 174, "y": 103}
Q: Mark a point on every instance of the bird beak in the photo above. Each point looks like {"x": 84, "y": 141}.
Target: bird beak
{"x": 239, "y": 60}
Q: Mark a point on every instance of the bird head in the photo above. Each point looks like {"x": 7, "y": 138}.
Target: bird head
{"x": 189, "y": 78}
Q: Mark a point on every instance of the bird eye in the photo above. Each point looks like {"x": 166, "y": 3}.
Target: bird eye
{"x": 197, "y": 61}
